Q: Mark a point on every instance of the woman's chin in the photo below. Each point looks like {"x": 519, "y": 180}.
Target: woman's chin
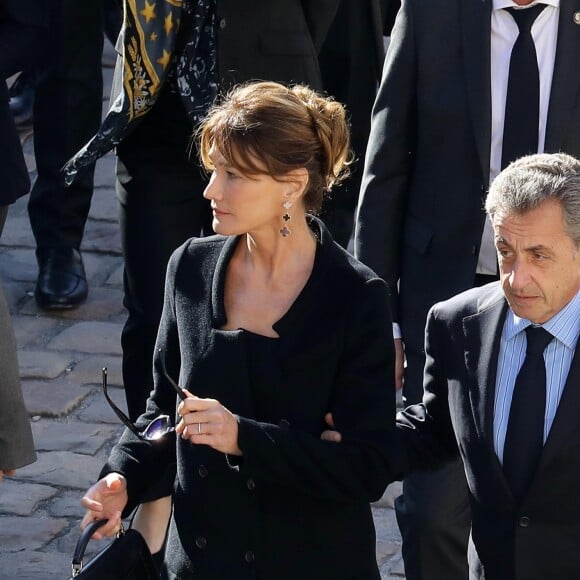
{"x": 224, "y": 229}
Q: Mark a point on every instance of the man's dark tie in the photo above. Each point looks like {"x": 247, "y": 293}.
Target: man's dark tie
{"x": 522, "y": 107}
{"x": 525, "y": 431}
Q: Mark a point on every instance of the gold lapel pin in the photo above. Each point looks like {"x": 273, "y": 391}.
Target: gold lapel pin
{"x": 576, "y": 17}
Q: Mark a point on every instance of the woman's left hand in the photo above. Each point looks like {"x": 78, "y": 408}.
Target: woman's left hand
{"x": 208, "y": 422}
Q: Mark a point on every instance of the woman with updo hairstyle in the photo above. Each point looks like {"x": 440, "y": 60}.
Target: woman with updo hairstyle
{"x": 274, "y": 333}
{"x": 267, "y": 126}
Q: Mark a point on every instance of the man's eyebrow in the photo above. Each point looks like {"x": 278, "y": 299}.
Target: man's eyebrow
{"x": 529, "y": 249}
{"x": 538, "y": 248}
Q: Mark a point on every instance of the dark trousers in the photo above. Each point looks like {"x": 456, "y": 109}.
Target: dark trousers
{"x": 433, "y": 512}
{"x": 67, "y": 113}
{"x": 161, "y": 205}
{"x": 435, "y": 519}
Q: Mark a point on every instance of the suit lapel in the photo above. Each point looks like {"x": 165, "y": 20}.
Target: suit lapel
{"x": 476, "y": 30}
{"x": 566, "y": 419}
{"x": 482, "y": 338}
{"x": 566, "y": 78}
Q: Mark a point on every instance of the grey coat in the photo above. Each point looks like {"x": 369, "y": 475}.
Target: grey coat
{"x": 16, "y": 445}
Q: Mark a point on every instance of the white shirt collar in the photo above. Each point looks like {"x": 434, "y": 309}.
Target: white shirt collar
{"x": 501, "y": 4}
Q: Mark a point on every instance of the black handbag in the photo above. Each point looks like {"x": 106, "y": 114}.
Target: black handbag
{"x": 127, "y": 557}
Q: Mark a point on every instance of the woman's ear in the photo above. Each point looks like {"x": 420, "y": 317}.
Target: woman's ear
{"x": 297, "y": 182}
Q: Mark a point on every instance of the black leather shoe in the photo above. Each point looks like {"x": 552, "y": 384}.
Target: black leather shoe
{"x": 22, "y": 99}
{"x": 62, "y": 283}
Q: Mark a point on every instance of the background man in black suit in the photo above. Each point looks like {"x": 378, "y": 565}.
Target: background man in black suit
{"x": 435, "y": 145}
{"x": 525, "y": 517}
{"x": 67, "y": 112}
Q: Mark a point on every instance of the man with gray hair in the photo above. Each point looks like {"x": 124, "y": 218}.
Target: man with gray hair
{"x": 502, "y": 377}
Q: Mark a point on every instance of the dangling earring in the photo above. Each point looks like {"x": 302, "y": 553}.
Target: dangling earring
{"x": 285, "y": 231}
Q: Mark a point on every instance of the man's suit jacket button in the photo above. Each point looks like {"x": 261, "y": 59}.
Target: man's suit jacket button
{"x": 524, "y": 522}
{"x": 201, "y": 542}
{"x": 223, "y": 23}
{"x": 202, "y": 471}
{"x": 249, "y": 556}
{"x": 251, "y": 484}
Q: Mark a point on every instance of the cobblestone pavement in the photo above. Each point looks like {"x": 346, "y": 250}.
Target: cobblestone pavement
{"x": 60, "y": 357}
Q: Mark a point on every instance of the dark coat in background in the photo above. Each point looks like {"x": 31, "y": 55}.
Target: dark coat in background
{"x": 22, "y": 24}
{"x": 351, "y": 61}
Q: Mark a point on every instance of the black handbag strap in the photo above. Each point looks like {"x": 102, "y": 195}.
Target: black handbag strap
{"x": 82, "y": 543}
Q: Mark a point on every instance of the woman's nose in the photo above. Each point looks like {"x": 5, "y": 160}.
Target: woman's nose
{"x": 211, "y": 190}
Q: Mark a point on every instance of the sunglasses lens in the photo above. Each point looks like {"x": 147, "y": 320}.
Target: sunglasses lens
{"x": 157, "y": 428}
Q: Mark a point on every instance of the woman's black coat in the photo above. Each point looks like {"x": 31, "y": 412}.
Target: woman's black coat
{"x": 293, "y": 506}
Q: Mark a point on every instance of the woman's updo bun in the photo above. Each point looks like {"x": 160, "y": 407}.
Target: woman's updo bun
{"x": 265, "y": 127}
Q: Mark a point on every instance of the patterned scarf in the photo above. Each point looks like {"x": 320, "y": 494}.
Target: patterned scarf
{"x": 150, "y": 33}
{"x": 194, "y": 74}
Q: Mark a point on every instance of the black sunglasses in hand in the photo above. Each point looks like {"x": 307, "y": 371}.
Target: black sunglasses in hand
{"x": 160, "y": 426}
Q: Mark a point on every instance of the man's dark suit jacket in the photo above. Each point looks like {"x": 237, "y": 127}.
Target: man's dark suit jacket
{"x": 540, "y": 539}
{"x": 29, "y": 12}
{"x": 298, "y": 504}
{"x": 427, "y": 167}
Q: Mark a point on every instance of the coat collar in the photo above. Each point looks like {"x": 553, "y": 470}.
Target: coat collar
{"x": 566, "y": 420}
{"x": 482, "y": 332}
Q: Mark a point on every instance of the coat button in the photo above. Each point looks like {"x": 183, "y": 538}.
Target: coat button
{"x": 251, "y": 484}
{"x": 201, "y": 542}
{"x": 223, "y": 23}
{"x": 249, "y": 556}
{"x": 202, "y": 471}
{"x": 524, "y": 522}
